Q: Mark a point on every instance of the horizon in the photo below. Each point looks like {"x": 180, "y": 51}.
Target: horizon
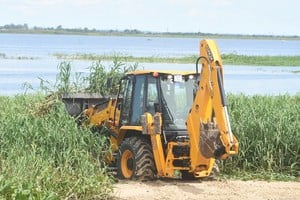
{"x": 13, "y": 26}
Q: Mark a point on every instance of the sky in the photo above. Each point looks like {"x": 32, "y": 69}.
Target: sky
{"x": 266, "y": 17}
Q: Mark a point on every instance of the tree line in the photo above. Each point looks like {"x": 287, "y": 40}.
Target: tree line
{"x": 25, "y": 28}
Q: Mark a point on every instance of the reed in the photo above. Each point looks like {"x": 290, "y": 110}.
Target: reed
{"x": 268, "y": 130}
{"x": 45, "y": 155}
{"x": 97, "y": 79}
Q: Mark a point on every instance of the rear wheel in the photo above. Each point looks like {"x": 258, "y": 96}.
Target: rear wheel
{"x": 135, "y": 160}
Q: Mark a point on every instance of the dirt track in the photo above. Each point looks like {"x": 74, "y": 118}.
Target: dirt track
{"x": 208, "y": 190}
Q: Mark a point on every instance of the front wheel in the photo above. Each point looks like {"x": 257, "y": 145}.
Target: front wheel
{"x": 135, "y": 160}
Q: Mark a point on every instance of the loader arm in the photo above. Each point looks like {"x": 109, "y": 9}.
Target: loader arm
{"x": 208, "y": 121}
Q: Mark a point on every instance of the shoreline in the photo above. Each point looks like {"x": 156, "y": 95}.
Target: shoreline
{"x": 137, "y": 33}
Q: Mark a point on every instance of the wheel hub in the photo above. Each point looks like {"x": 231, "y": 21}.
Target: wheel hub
{"x": 127, "y": 164}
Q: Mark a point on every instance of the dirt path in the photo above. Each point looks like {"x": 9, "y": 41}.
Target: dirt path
{"x": 208, "y": 190}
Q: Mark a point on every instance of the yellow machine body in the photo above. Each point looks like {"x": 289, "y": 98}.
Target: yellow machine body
{"x": 143, "y": 146}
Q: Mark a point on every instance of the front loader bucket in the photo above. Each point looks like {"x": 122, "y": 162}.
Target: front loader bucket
{"x": 77, "y": 103}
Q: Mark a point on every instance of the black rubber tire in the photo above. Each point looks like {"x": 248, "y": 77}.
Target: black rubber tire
{"x": 141, "y": 163}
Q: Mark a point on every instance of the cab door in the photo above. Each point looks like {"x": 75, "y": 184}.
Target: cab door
{"x": 131, "y": 100}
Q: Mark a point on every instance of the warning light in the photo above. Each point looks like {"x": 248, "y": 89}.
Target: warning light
{"x": 155, "y": 74}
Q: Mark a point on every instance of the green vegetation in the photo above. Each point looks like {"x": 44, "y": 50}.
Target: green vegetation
{"x": 24, "y": 28}
{"x": 68, "y": 81}
{"x": 99, "y": 75}
{"x": 45, "y": 155}
{"x": 234, "y": 59}
{"x": 267, "y": 128}
{"x": 128, "y": 58}
{"x": 228, "y": 59}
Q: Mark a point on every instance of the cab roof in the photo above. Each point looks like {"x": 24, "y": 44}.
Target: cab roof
{"x": 172, "y": 72}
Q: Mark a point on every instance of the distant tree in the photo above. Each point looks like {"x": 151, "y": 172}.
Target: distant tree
{"x": 59, "y": 27}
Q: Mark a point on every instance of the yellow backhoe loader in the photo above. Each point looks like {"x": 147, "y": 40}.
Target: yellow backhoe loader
{"x": 171, "y": 124}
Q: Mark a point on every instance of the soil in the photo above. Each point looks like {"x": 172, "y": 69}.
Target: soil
{"x": 208, "y": 190}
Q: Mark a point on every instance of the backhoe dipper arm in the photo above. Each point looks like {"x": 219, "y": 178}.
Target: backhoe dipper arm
{"x": 208, "y": 121}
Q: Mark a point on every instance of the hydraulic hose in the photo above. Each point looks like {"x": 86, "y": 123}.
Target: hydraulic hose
{"x": 197, "y": 62}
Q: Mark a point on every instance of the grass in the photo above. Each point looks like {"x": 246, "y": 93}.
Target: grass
{"x": 234, "y": 59}
{"x": 127, "y": 58}
{"x": 267, "y": 128}
{"x": 228, "y": 59}
{"x": 44, "y": 155}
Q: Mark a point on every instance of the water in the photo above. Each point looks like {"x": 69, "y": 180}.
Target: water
{"x": 45, "y": 45}
{"x": 251, "y": 79}
{"x": 238, "y": 79}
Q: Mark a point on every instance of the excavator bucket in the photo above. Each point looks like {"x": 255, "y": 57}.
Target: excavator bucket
{"x": 210, "y": 143}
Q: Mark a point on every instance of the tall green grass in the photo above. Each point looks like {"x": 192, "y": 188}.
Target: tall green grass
{"x": 43, "y": 152}
{"x": 100, "y": 74}
{"x": 45, "y": 155}
{"x": 268, "y": 130}
{"x": 68, "y": 81}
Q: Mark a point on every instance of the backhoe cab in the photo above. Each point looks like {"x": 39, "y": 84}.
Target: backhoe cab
{"x": 168, "y": 123}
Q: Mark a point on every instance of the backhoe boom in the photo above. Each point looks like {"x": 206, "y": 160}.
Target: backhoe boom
{"x": 208, "y": 121}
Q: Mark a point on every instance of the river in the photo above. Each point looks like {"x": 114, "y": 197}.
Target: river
{"x": 38, "y": 60}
